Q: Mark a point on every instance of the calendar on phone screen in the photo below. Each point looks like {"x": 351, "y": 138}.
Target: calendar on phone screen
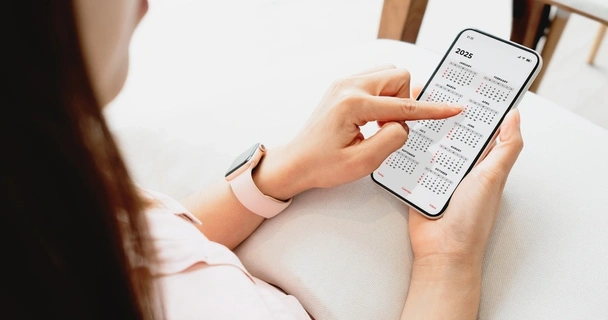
{"x": 484, "y": 74}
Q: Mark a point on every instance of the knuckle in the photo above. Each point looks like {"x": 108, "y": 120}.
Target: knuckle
{"x": 351, "y": 100}
{"x": 516, "y": 144}
{"x": 342, "y": 83}
{"x": 356, "y": 82}
{"x": 339, "y": 83}
{"x": 408, "y": 106}
{"x": 347, "y": 84}
{"x": 519, "y": 143}
{"x": 404, "y": 73}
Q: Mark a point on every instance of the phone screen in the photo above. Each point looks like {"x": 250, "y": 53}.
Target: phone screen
{"x": 486, "y": 75}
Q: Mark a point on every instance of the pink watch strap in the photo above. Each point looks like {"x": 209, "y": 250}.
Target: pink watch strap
{"x": 253, "y": 199}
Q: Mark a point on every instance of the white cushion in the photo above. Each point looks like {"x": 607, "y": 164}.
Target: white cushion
{"x": 596, "y": 8}
{"x": 344, "y": 252}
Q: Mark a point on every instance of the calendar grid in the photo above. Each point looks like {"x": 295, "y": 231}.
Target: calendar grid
{"x": 459, "y": 74}
{"x": 449, "y": 159}
{"x": 433, "y": 125}
{"x": 401, "y": 161}
{"x": 476, "y": 111}
{"x": 494, "y": 90}
{"x": 434, "y": 182}
{"x": 465, "y": 135}
{"x": 443, "y": 94}
{"x": 449, "y": 90}
{"x": 498, "y": 83}
{"x": 418, "y": 142}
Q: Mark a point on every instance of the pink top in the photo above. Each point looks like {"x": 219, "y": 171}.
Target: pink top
{"x": 201, "y": 279}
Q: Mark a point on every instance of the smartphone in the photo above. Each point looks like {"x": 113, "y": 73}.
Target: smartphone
{"x": 488, "y": 76}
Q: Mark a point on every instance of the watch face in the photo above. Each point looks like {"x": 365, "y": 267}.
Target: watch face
{"x": 242, "y": 159}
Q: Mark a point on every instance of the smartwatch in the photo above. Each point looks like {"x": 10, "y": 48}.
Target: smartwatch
{"x": 241, "y": 182}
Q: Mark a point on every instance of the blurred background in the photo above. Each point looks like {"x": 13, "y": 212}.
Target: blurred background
{"x": 237, "y": 39}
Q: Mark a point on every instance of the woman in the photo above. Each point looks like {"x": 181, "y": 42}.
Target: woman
{"x": 83, "y": 242}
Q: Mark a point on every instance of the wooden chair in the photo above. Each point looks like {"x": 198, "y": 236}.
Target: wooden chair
{"x": 597, "y": 43}
{"x": 593, "y": 9}
{"x": 401, "y": 20}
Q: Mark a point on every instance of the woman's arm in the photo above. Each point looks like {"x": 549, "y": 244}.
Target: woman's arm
{"x": 330, "y": 150}
{"x": 224, "y": 219}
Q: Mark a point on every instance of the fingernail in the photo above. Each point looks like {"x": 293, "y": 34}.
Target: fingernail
{"x": 406, "y": 127}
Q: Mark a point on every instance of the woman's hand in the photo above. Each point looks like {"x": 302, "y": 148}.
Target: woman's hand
{"x": 330, "y": 150}
{"x": 448, "y": 252}
{"x": 462, "y": 234}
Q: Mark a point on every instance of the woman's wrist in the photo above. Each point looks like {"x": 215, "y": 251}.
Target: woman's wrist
{"x": 441, "y": 267}
{"x": 444, "y": 287}
{"x": 279, "y": 175}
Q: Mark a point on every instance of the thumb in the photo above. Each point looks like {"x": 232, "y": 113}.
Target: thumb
{"x": 506, "y": 152}
{"x": 390, "y": 137}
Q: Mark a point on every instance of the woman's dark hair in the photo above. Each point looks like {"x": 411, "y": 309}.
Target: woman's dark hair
{"x": 74, "y": 241}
